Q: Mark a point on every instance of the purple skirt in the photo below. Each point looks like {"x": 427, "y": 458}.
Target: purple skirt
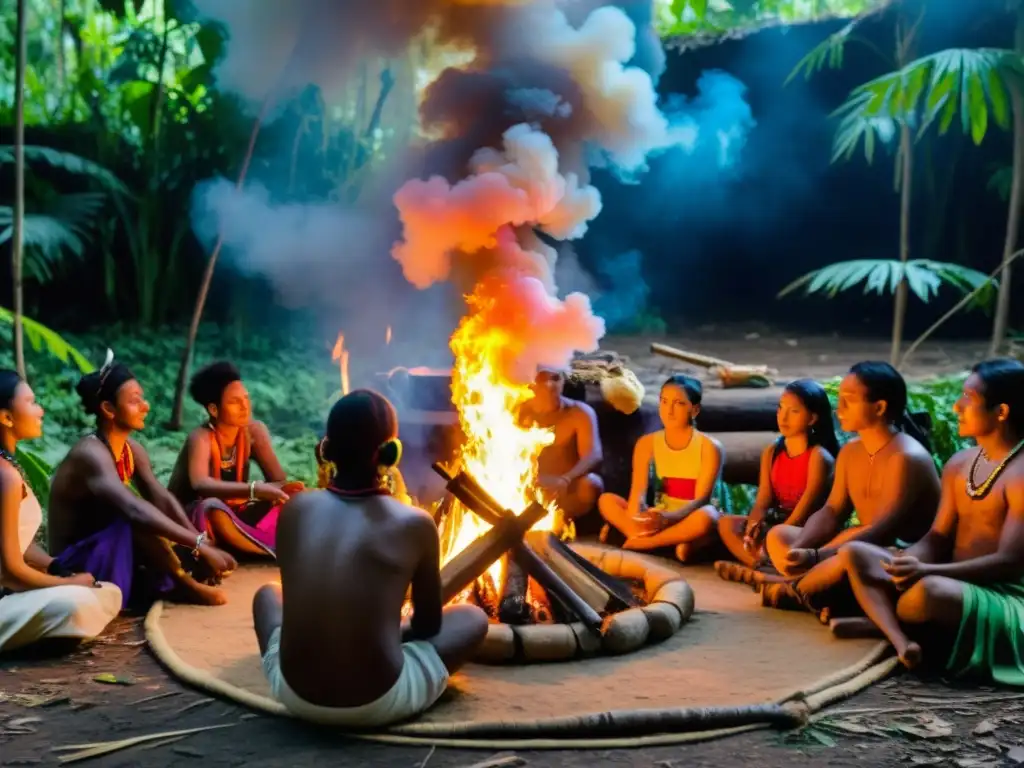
{"x": 110, "y": 555}
{"x": 251, "y": 529}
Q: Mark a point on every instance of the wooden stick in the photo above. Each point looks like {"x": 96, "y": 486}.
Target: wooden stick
{"x": 512, "y": 605}
{"x": 689, "y": 357}
{"x": 471, "y": 562}
{"x": 617, "y": 588}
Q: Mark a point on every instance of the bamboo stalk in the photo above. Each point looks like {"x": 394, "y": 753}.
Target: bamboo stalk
{"x": 689, "y": 357}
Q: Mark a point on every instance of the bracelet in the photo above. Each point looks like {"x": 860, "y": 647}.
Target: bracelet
{"x": 200, "y": 540}
{"x": 252, "y": 491}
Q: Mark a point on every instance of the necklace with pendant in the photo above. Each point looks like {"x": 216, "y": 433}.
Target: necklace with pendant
{"x": 975, "y": 491}
{"x": 871, "y": 456}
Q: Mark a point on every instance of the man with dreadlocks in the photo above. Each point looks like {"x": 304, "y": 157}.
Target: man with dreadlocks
{"x": 110, "y": 516}
{"x": 211, "y": 477}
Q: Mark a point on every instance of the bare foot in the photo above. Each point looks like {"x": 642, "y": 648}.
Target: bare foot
{"x": 683, "y": 552}
{"x": 854, "y": 627}
{"x": 194, "y": 593}
{"x": 911, "y": 655}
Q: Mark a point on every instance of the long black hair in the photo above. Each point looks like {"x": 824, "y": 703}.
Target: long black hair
{"x": 815, "y": 399}
{"x": 883, "y": 382}
{"x": 9, "y": 381}
{"x": 1004, "y": 385}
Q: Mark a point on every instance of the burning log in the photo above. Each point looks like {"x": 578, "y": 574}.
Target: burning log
{"x": 563, "y": 558}
{"x": 512, "y": 605}
{"x": 579, "y": 581}
{"x": 478, "y": 501}
{"x": 555, "y": 587}
{"x": 470, "y": 563}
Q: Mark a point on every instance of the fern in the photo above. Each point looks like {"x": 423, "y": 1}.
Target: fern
{"x": 49, "y": 235}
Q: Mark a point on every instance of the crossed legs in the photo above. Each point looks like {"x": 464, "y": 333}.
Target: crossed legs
{"x": 463, "y": 627}
{"x": 696, "y": 530}
{"x": 934, "y": 600}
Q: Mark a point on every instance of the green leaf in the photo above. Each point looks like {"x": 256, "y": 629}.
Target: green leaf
{"x": 66, "y": 161}
{"x": 924, "y": 277}
{"x": 41, "y": 337}
{"x": 37, "y": 474}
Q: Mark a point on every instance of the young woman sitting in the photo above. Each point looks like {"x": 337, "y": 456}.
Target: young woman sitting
{"x": 687, "y": 466}
{"x": 36, "y": 605}
{"x": 796, "y": 477}
{"x": 211, "y": 476}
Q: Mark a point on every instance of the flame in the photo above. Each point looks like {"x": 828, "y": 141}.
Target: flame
{"x": 498, "y": 451}
{"x": 340, "y": 354}
{"x": 387, "y": 335}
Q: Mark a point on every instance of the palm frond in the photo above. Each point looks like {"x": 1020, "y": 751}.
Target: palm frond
{"x": 41, "y": 337}
{"x": 69, "y": 162}
{"x": 972, "y": 84}
{"x": 924, "y": 277}
{"x": 50, "y": 234}
{"x": 858, "y": 126}
{"x": 828, "y": 53}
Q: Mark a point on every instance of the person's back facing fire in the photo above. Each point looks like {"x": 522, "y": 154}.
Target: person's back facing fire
{"x": 334, "y": 646}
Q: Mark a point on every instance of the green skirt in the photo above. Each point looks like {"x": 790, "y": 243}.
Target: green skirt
{"x": 990, "y": 641}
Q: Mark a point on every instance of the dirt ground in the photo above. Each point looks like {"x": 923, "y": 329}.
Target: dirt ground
{"x": 53, "y": 702}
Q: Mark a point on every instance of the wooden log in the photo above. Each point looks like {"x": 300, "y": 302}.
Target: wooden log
{"x": 512, "y": 605}
{"x": 579, "y": 581}
{"x": 619, "y": 590}
{"x": 555, "y": 587}
{"x": 547, "y": 642}
{"x": 459, "y": 572}
{"x": 663, "y": 620}
{"x": 498, "y": 646}
{"x": 694, "y": 358}
{"x": 625, "y": 631}
{"x": 743, "y": 454}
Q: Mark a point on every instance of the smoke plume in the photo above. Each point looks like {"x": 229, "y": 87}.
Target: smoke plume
{"x": 534, "y": 96}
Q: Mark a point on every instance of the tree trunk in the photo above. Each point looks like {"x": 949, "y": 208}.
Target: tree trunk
{"x": 18, "y": 234}
{"x": 903, "y": 289}
{"x": 1002, "y": 313}
{"x": 904, "y": 54}
{"x": 178, "y": 411}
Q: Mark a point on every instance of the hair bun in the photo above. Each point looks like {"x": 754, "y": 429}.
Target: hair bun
{"x": 389, "y": 453}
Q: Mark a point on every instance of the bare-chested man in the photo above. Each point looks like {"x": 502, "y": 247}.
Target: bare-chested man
{"x": 109, "y": 515}
{"x": 566, "y": 467}
{"x": 335, "y": 649}
{"x": 885, "y": 476}
{"x": 966, "y": 576}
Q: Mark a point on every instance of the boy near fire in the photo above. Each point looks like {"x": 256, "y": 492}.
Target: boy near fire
{"x": 110, "y": 516}
{"x": 886, "y": 476}
{"x": 211, "y": 476}
{"x": 355, "y": 548}
{"x": 966, "y": 576}
{"x": 566, "y": 467}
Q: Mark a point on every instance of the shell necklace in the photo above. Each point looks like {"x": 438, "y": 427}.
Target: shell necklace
{"x": 979, "y": 492}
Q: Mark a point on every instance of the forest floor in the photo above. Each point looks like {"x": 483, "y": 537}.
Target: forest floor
{"x": 45, "y": 703}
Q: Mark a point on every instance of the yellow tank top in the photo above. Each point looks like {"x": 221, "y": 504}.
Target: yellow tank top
{"x": 677, "y": 470}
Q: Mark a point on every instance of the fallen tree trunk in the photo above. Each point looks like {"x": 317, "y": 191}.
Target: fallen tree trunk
{"x": 743, "y": 454}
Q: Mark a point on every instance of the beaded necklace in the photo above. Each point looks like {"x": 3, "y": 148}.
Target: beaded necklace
{"x": 979, "y": 492}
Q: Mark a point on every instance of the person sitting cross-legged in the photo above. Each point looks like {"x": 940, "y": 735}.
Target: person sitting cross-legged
{"x": 335, "y": 648}
{"x": 211, "y": 477}
{"x": 886, "y": 476}
{"x": 958, "y": 593}
{"x": 796, "y": 477}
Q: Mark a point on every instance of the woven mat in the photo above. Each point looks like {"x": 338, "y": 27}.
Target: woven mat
{"x": 733, "y": 654}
